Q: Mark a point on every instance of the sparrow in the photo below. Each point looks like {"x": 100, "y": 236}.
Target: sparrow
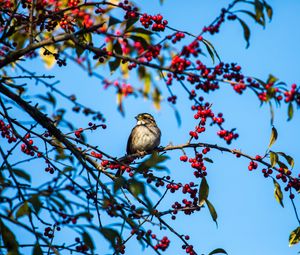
{"x": 145, "y": 136}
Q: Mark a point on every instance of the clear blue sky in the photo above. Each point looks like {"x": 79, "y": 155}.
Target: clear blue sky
{"x": 250, "y": 220}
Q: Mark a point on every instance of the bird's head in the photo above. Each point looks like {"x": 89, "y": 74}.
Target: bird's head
{"x": 145, "y": 118}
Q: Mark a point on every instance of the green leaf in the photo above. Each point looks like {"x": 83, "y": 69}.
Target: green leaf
{"x": 88, "y": 240}
{"x": 278, "y": 193}
{"x": 111, "y": 235}
{"x": 246, "y": 31}
{"x": 147, "y": 84}
{"x": 113, "y": 65}
{"x": 208, "y": 160}
{"x": 117, "y": 48}
{"x": 272, "y": 79}
{"x": 37, "y": 250}
{"x": 130, "y": 22}
{"x": 273, "y": 158}
{"x": 218, "y": 251}
{"x": 288, "y": 158}
{"x": 290, "y": 111}
{"x": 259, "y": 9}
{"x": 113, "y": 21}
{"x": 203, "y": 191}
{"x": 253, "y": 16}
{"x": 294, "y": 237}
{"x": 35, "y": 202}
{"x": 9, "y": 239}
{"x": 156, "y": 97}
{"x": 152, "y": 162}
{"x": 49, "y": 98}
{"x": 212, "y": 211}
{"x": 177, "y": 116}
{"x": 22, "y": 174}
{"x": 211, "y": 50}
{"x": 23, "y": 210}
{"x": 139, "y": 30}
{"x": 273, "y": 137}
{"x": 136, "y": 188}
{"x": 271, "y": 113}
{"x": 140, "y": 39}
{"x": 119, "y": 183}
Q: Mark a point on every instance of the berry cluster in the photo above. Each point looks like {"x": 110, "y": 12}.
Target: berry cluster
{"x": 28, "y": 147}
{"x": 157, "y": 22}
{"x": 6, "y": 132}
{"x": 162, "y": 244}
{"x": 179, "y": 64}
{"x": 227, "y": 135}
{"x": 81, "y": 247}
{"x": 212, "y": 29}
{"x": 49, "y": 232}
{"x": 176, "y": 37}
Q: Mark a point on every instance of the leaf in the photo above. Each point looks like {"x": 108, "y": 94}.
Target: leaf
{"x": 271, "y": 113}
{"x": 259, "y": 9}
{"x": 111, "y": 235}
{"x": 269, "y": 11}
{"x": 119, "y": 183}
{"x": 211, "y": 50}
{"x": 156, "y": 97}
{"x": 119, "y": 102}
{"x": 136, "y": 187}
{"x": 140, "y": 39}
{"x": 273, "y": 158}
{"x": 130, "y": 22}
{"x": 272, "y": 79}
{"x": 290, "y": 111}
{"x": 23, "y": 210}
{"x": 147, "y": 84}
{"x": 278, "y": 193}
{"x": 273, "y": 137}
{"x": 37, "y": 250}
{"x": 49, "y": 98}
{"x": 294, "y": 237}
{"x": 208, "y": 160}
{"x": 113, "y": 65}
{"x": 252, "y": 15}
{"x": 139, "y": 30}
{"x": 88, "y": 240}
{"x": 288, "y": 158}
{"x": 113, "y": 21}
{"x": 152, "y": 162}
{"x": 203, "y": 191}
{"x": 9, "y": 239}
{"x": 35, "y": 202}
{"x": 22, "y": 174}
{"x": 212, "y": 211}
{"x": 177, "y": 116}
{"x": 117, "y": 48}
{"x": 48, "y": 59}
{"x": 246, "y": 31}
{"x": 217, "y": 251}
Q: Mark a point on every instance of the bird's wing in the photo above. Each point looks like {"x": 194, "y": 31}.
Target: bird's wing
{"x": 129, "y": 142}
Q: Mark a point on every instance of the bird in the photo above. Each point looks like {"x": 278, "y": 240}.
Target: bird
{"x": 145, "y": 136}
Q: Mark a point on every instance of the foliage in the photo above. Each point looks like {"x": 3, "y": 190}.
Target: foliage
{"x": 81, "y": 189}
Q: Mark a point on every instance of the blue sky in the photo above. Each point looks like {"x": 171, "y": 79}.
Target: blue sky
{"x": 250, "y": 220}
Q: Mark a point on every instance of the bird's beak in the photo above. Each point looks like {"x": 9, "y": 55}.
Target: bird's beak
{"x": 136, "y": 117}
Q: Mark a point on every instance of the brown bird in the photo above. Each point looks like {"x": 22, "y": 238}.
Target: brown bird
{"x": 144, "y": 137}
